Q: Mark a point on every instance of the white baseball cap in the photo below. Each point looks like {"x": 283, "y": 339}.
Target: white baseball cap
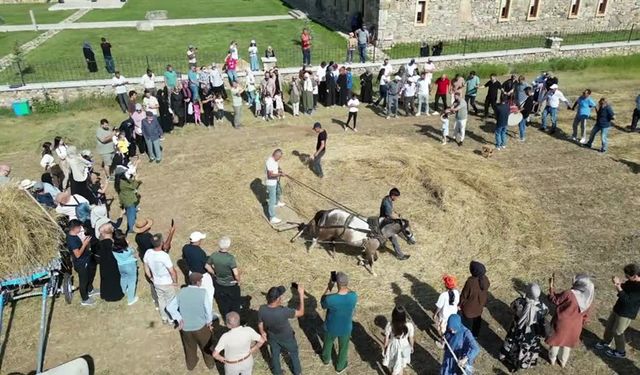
{"x": 197, "y": 236}
{"x": 554, "y": 86}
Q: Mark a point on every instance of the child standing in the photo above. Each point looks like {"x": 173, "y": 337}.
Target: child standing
{"x": 279, "y": 106}
{"x": 444, "y": 121}
{"x": 268, "y": 106}
{"x": 257, "y": 104}
{"x": 219, "y": 107}
{"x": 197, "y": 112}
{"x": 353, "y": 104}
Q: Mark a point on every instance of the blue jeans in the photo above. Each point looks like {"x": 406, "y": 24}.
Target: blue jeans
{"x": 195, "y": 93}
{"x": 291, "y": 347}
{"x": 128, "y": 280}
{"x": 306, "y": 56}
{"x": 253, "y": 62}
{"x": 554, "y": 117}
{"x": 110, "y": 65}
{"x": 231, "y": 74}
{"x": 132, "y": 213}
{"x": 362, "y": 50}
{"x": 582, "y": 121}
{"x": 274, "y": 192}
{"x": 154, "y": 150}
{"x": 392, "y": 103}
{"x": 604, "y": 134}
{"x": 251, "y": 96}
{"x": 522, "y": 126}
{"x": 501, "y": 136}
{"x": 349, "y": 55}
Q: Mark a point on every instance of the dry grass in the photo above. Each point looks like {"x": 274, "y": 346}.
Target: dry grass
{"x": 29, "y": 240}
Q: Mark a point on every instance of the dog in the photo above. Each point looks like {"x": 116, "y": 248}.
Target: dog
{"x": 487, "y": 151}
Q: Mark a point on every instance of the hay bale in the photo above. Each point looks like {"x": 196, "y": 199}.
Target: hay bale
{"x": 29, "y": 240}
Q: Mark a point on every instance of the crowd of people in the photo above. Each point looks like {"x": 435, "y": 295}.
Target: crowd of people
{"x": 76, "y": 185}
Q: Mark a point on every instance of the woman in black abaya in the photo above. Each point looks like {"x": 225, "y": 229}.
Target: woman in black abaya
{"x": 89, "y": 57}
{"x": 366, "y": 87}
{"x": 330, "y": 98}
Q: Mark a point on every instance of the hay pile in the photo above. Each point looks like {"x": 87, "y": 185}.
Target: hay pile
{"x": 29, "y": 241}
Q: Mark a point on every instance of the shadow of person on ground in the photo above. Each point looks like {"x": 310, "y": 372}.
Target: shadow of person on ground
{"x": 310, "y": 323}
{"x": 260, "y": 192}
{"x": 342, "y": 124}
{"x": 429, "y": 131}
{"x": 304, "y": 158}
{"x": 633, "y": 166}
{"x": 425, "y": 298}
{"x": 617, "y": 365}
{"x": 367, "y": 347}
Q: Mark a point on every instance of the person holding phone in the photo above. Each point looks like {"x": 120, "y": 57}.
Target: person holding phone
{"x": 83, "y": 261}
{"x": 274, "y": 326}
{"x": 340, "y": 307}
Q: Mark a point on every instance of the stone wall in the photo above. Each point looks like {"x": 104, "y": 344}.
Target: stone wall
{"x": 338, "y": 13}
{"x": 476, "y": 18}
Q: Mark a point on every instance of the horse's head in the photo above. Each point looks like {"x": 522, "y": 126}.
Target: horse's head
{"x": 406, "y": 232}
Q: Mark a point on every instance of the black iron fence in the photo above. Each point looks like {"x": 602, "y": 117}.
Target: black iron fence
{"x": 33, "y": 71}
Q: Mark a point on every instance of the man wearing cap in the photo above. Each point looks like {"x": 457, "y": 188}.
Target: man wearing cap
{"x": 387, "y": 212}
{"x": 5, "y": 171}
{"x": 238, "y": 344}
{"x": 144, "y": 241}
{"x": 159, "y": 269}
{"x": 274, "y": 326}
{"x": 196, "y": 259}
{"x": 152, "y": 132}
{"x": 553, "y": 97}
{"x": 321, "y": 147}
{"x": 338, "y": 322}
{"x": 274, "y": 191}
{"x": 393, "y": 90}
{"x": 104, "y": 145}
{"x": 223, "y": 266}
{"x": 191, "y": 308}
{"x": 78, "y": 245}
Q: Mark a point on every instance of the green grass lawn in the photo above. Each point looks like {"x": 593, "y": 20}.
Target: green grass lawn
{"x": 8, "y": 40}
{"x": 18, "y": 14}
{"x": 136, "y": 9}
{"x": 61, "y": 58}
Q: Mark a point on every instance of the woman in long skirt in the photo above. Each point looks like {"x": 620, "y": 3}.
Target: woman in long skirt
{"x": 110, "y": 289}
{"x": 176, "y": 101}
{"x": 521, "y": 347}
{"x": 366, "y": 87}
{"x": 89, "y": 57}
{"x": 343, "y": 90}
{"x": 330, "y": 98}
{"x": 165, "y": 118}
{"x": 398, "y": 342}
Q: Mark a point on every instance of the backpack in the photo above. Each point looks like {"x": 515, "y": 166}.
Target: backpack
{"x": 82, "y": 210}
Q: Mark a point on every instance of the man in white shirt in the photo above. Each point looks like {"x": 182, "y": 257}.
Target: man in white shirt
{"x": 119, "y": 83}
{"x": 150, "y": 103}
{"x": 422, "y": 86}
{"x": 553, "y": 98}
{"x": 68, "y": 203}
{"x": 274, "y": 191}
{"x": 191, "y": 56}
{"x": 386, "y": 66}
{"x": 149, "y": 82}
{"x": 159, "y": 269}
{"x": 411, "y": 67}
{"x": 429, "y": 69}
{"x": 408, "y": 93}
{"x": 238, "y": 346}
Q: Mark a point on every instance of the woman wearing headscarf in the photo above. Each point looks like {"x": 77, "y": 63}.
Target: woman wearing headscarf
{"x": 447, "y": 303}
{"x": 572, "y": 309}
{"x": 207, "y": 106}
{"x": 79, "y": 179}
{"x": 165, "y": 118}
{"x": 129, "y": 198}
{"x": 473, "y": 297}
{"x": 398, "y": 341}
{"x": 126, "y": 259}
{"x": 89, "y": 57}
{"x": 99, "y": 216}
{"x": 461, "y": 348}
{"x": 330, "y": 97}
{"x": 110, "y": 289}
{"x": 366, "y": 86}
{"x": 343, "y": 91}
{"x": 176, "y": 101}
{"x": 61, "y": 151}
{"x": 253, "y": 56}
{"x": 49, "y": 165}
{"x": 521, "y": 347}
{"x": 187, "y": 99}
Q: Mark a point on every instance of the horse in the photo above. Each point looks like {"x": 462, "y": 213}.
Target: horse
{"x": 337, "y": 225}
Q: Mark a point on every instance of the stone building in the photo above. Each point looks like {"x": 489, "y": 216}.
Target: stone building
{"x": 397, "y": 21}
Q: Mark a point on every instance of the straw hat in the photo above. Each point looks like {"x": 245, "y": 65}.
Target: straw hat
{"x": 26, "y": 184}
{"x": 142, "y": 225}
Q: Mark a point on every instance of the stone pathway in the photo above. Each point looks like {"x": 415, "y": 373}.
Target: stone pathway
{"x": 154, "y": 23}
{"x": 6, "y": 61}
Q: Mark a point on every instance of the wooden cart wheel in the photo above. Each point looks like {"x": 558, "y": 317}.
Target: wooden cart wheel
{"x": 67, "y": 287}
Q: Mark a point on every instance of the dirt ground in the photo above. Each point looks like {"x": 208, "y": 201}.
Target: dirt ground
{"x": 536, "y": 208}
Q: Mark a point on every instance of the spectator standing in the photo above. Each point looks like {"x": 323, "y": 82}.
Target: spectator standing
{"x": 89, "y": 57}
{"x": 363, "y": 39}
{"x": 624, "y": 311}
{"x": 366, "y": 86}
{"x": 393, "y": 90}
{"x": 192, "y": 310}
{"x": 294, "y": 94}
{"x": 307, "y": 94}
{"x": 170, "y": 78}
{"x": 126, "y": 259}
{"x": 274, "y": 326}
{"x": 105, "y": 45}
{"x": 493, "y": 90}
{"x": 196, "y": 259}
{"x": 236, "y": 95}
{"x": 133, "y": 100}
{"x": 398, "y": 342}
{"x": 110, "y": 290}
{"x": 144, "y": 242}
{"x": 636, "y": 115}
{"x": 253, "y": 56}
{"x": 473, "y": 81}
{"x": 129, "y": 198}
{"x": 305, "y": 42}
{"x": 192, "y": 58}
{"x": 238, "y": 346}
{"x": 150, "y": 103}
{"x": 105, "y": 146}
{"x": 521, "y": 347}
{"x": 119, "y": 83}
{"x": 148, "y": 82}
{"x": 338, "y": 322}
{"x": 473, "y": 297}
{"x": 352, "y": 42}
{"x": 447, "y": 304}
{"x": 82, "y": 260}
{"x": 443, "y": 85}
{"x": 274, "y": 191}
{"x": 429, "y": 68}
{"x": 353, "y": 104}
{"x": 137, "y": 116}
{"x": 604, "y": 116}
{"x": 223, "y": 266}
{"x": 231, "y": 64}
{"x": 422, "y": 88}
{"x": 518, "y": 90}
{"x": 461, "y": 110}
{"x": 526, "y": 109}
{"x": 152, "y": 133}
{"x": 502, "y": 112}
{"x": 462, "y": 348}
{"x": 159, "y": 269}
{"x": 321, "y": 148}
{"x": 408, "y": 96}
{"x": 572, "y": 309}
{"x": 584, "y": 104}
{"x": 553, "y": 98}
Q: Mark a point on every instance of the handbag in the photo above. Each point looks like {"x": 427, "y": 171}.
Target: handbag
{"x": 190, "y": 108}
{"x": 174, "y": 119}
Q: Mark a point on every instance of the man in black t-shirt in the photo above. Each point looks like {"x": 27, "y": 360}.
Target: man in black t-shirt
{"x": 493, "y": 90}
{"x": 82, "y": 261}
{"x": 108, "y": 58}
{"x": 321, "y": 146}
